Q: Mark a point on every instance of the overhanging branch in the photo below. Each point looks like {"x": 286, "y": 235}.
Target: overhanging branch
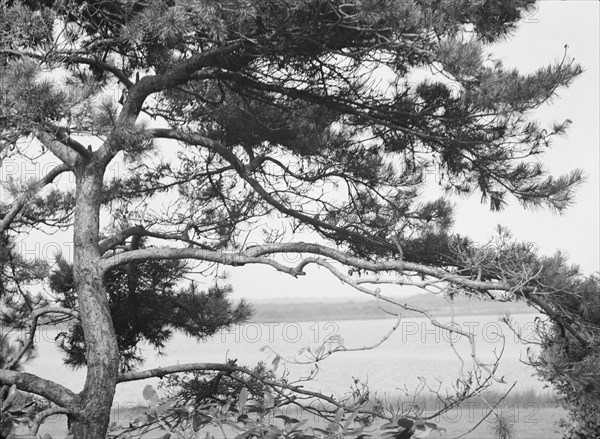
{"x": 50, "y": 390}
{"x": 262, "y": 254}
{"x": 157, "y": 253}
{"x": 178, "y": 368}
{"x": 245, "y": 172}
{"x": 19, "y": 203}
{"x": 180, "y": 74}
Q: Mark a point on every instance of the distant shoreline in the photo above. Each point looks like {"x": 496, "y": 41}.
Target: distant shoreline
{"x": 266, "y": 312}
{"x": 370, "y": 317}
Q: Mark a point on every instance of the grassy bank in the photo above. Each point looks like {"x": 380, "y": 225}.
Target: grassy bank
{"x": 531, "y": 414}
{"x": 534, "y": 415}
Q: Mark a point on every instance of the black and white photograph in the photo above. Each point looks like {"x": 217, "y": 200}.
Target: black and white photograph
{"x": 299, "y": 219}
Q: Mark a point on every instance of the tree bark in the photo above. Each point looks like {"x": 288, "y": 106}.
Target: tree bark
{"x": 102, "y": 356}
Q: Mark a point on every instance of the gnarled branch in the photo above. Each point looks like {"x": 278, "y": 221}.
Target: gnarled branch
{"x": 31, "y": 383}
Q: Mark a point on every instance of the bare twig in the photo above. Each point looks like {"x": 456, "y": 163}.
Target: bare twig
{"x": 35, "y": 315}
{"x": 332, "y": 345}
{"x": 491, "y": 410}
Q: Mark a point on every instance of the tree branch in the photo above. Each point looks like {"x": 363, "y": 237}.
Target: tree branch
{"x": 66, "y": 154}
{"x": 492, "y": 409}
{"x": 69, "y": 57}
{"x": 376, "y": 266}
{"x": 34, "y": 317}
{"x": 154, "y": 253}
{"x": 195, "y": 367}
{"x": 119, "y": 238}
{"x": 244, "y": 172}
{"x": 104, "y": 66}
{"x": 257, "y": 255}
{"x": 331, "y": 345}
{"x": 65, "y": 138}
{"x": 50, "y": 390}
{"x": 556, "y": 317}
{"x": 41, "y": 416}
{"x": 177, "y": 368}
{"x": 16, "y": 207}
{"x": 178, "y": 75}
{"x": 450, "y": 328}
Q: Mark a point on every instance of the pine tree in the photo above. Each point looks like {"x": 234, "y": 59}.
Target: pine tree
{"x": 323, "y": 115}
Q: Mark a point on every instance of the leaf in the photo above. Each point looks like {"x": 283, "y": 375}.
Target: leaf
{"x": 287, "y": 419}
{"x": 423, "y": 426}
{"x": 149, "y": 393}
{"x": 336, "y": 339}
{"x": 317, "y": 432}
{"x": 189, "y": 406}
{"x": 225, "y": 407}
{"x": 349, "y": 420}
{"x": 274, "y": 429}
{"x": 275, "y": 362}
{"x": 242, "y": 398}
{"x": 339, "y": 415}
{"x": 253, "y": 408}
{"x": 387, "y": 426}
{"x": 199, "y": 420}
{"x": 12, "y": 392}
{"x": 405, "y": 423}
{"x": 269, "y": 400}
{"x": 298, "y": 424}
{"x": 302, "y": 350}
{"x": 140, "y": 420}
{"x": 233, "y": 425}
{"x": 17, "y": 413}
{"x": 168, "y": 404}
{"x": 432, "y": 426}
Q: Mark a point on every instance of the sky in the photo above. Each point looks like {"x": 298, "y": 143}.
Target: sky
{"x": 538, "y": 41}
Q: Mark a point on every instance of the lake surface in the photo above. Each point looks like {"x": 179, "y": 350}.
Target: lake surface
{"x": 416, "y": 349}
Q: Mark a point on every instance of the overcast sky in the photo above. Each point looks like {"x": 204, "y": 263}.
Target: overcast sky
{"x": 540, "y": 40}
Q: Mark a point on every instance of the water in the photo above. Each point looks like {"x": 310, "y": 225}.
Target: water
{"x": 416, "y": 349}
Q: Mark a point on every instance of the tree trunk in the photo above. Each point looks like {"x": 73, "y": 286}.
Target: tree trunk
{"x": 102, "y": 355}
